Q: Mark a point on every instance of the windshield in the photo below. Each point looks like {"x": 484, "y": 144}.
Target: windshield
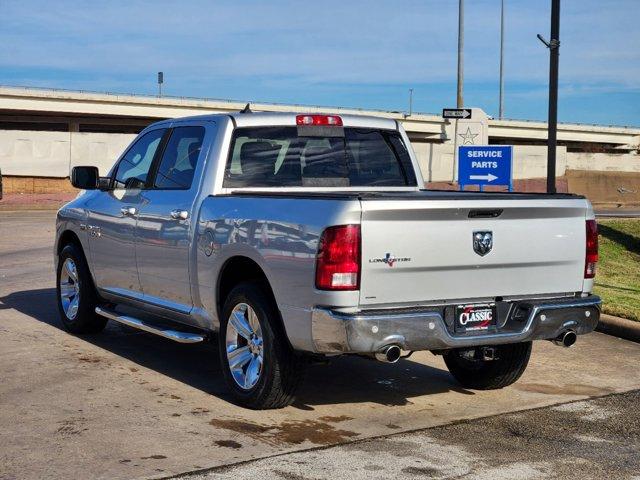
{"x": 287, "y": 157}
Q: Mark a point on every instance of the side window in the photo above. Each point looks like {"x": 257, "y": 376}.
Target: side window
{"x": 180, "y": 158}
{"x": 134, "y": 167}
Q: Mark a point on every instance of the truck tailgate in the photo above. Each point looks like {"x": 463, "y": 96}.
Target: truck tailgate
{"x": 417, "y": 251}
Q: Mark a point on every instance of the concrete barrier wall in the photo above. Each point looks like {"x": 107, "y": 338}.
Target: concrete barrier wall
{"x": 44, "y": 154}
{"x": 436, "y": 161}
{"x": 52, "y": 154}
{"x": 530, "y": 161}
{"x": 99, "y": 149}
{"x": 603, "y": 162}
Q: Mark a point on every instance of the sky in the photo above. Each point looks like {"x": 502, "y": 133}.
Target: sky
{"x": 349, "y": 53}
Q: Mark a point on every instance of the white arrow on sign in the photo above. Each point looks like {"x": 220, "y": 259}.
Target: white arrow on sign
{"x": 488, "y": 177}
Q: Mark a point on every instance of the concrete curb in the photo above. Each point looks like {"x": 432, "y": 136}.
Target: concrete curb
{"x": 36, "y": 207}
{"x": 619, "y": 327}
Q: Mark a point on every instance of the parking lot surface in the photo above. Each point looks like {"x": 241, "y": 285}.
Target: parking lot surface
{"x": 592, "y": 439}
{"x": 126, "y": 404}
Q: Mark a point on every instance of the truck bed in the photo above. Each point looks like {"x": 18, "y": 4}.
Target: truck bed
{"x": 418, "y": 247}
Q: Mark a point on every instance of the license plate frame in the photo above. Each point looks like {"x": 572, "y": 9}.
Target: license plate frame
{"x": 477, "y": 318}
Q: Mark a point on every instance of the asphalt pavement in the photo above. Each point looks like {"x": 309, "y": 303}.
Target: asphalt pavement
{"x": 587, "y": 440}
{"x": 127, "y": 404}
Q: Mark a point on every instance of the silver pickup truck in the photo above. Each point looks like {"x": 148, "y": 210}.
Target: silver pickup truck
{"x": 291, "y": 238}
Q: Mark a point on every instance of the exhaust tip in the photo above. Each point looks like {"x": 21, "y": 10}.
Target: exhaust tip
{"x": 566, "y": 339}
{"x": 569, "y": 338}
{"x": 390, "y": 354}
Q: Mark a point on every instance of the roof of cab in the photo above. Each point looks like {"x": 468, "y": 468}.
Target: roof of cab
{"x": 265, "y": 119}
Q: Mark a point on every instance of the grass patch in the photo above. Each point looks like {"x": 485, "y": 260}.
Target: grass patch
{"x": 618, "y": 275}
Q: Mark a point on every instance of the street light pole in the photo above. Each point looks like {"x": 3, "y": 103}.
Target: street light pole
{"x": 501, "y": 103}
{"x": 460, "y": 99}
{"x": 160, "y": 82}
{"x": 554, "y": 57}
{"x": 552, "y": 126}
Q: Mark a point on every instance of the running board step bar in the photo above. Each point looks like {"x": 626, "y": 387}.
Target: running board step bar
{"x": 180, "y": 337}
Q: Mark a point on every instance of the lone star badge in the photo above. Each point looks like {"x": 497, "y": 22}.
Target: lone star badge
{"x": 468, "y": 137}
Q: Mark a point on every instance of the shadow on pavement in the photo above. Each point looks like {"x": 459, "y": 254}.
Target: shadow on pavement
{"x": 347, "y": 379}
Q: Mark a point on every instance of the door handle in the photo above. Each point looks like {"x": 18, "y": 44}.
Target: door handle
{"x": 179, "y": 214}
{"x": 131, "y": 211}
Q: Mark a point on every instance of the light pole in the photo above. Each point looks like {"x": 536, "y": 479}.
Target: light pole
{"x": 554, "y": 56}
{"x": 460, "y": 99}
{"x": 501, "y": 103}
{"x": 460, "y": 93}
{"x": 410, "y": 101}
{"x": 160, "y": 82}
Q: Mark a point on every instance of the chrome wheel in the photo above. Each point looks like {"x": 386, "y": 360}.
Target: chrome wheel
{"x": 69, "y": 289}
{"x": 244, "y": 345}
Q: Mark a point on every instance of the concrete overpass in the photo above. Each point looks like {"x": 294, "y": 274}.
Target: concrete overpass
{"x": 20, "y": 105}
{"x": 43, "y": 132}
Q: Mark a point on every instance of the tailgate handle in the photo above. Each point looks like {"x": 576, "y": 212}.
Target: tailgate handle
{"x": 485, "y": 213}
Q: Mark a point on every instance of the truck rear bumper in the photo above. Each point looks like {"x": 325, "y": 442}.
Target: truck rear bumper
{"x": 335, "y": 332}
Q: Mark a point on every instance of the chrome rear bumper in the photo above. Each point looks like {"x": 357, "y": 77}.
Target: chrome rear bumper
{"x": 336, "y": 332}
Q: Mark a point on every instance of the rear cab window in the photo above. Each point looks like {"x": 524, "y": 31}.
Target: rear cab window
{"x": 336, "y": 157}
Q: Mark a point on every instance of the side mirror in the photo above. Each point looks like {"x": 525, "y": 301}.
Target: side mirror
{"x": 85, "y": 178}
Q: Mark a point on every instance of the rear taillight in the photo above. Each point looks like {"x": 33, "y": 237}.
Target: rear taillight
{"x": 319, "y": 120}
{"x": 591, "y": 255}
{"x": 338, "y": 261}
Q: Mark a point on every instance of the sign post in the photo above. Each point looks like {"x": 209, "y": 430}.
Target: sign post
{"x": 485, "y": 165}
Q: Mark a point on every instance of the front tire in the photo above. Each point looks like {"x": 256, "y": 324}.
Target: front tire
{"x": 477, "y": 373}
{"x": 257, "y": 361}
{"x": 75, "y": 293}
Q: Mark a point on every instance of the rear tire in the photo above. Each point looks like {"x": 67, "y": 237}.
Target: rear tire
{"x": 76, "y": 296}
{"x": 266, "y": 371}
{"x": 479, "y": 374}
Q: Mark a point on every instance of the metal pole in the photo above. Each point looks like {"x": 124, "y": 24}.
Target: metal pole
{"x": 455, "y": 151}
{"x": 501, "y": 107}
{"x": 411, "y": 102}
{"x": 554, "y": 54}
{"x": 460, "y": 101}
{"x": 460, "y": 96}
{"x": 160, "y": 82}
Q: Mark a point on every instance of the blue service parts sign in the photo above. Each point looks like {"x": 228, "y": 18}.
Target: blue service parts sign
{"x": 485, "y": 165}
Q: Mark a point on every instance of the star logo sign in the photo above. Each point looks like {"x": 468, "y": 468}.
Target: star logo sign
{"x": 468, "y": 137}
